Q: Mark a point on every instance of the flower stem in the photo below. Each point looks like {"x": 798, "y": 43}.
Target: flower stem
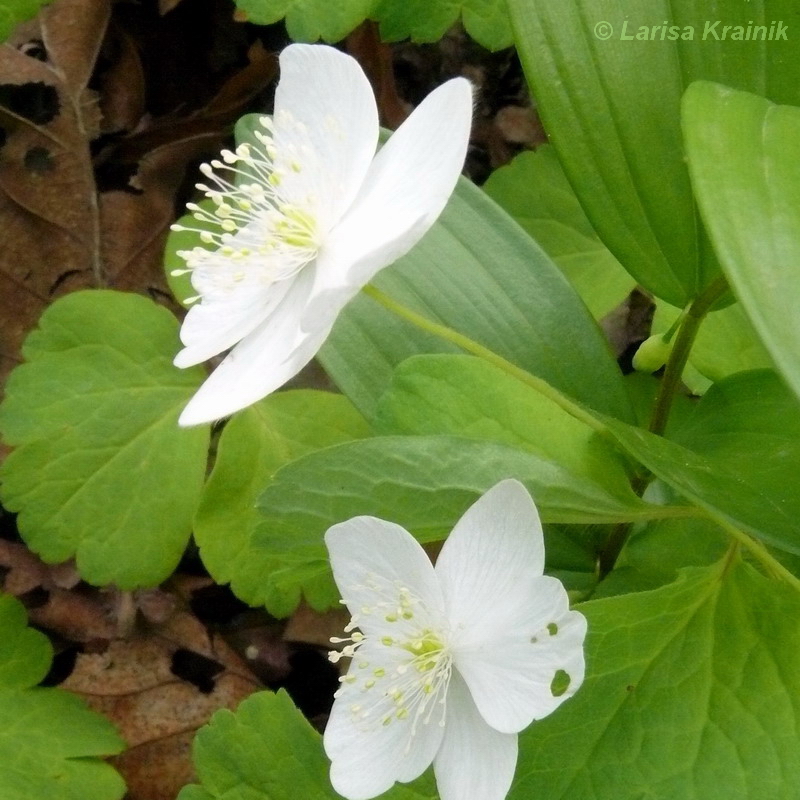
{"x": 572, "y": 407}
{"x": 693, "y": 316}
{"x": 687, "y": 326}
{"x": 690, "y": 323}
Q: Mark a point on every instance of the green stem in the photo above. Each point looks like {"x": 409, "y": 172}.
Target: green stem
{"x": 690, "y": 325}
{"x": 687, "y": 326}
{"x": 759, "y": 552}
{"x": 697, "y": 311}
{"x": 572, "y": 408}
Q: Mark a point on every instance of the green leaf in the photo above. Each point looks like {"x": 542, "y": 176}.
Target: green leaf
{"x": 266, "y": 750}
{"x": 535, "y": 191}
{"x": 428, "y": 20}
{"x": 422, "y": 20}
{"x": 101, "y": 470}
{"x": 692, "y": 691}
{"x": 726, "y": 343}
{"x": 490, "y": 282}
{"x": 716, "y": 485}
{"x": 744, "y": 154}
{"x": 26, "y": 653}
{"x": 643, "y": 390}
{"x": 737, "y": 455}
{"x": 612, "y": 109}
{"x": 476, "y": 271}
{"x": 309, "y": 20}
{"x": 180, "y": 284}
{"x": 465, "y": 396}
{"x": 750, "y": 423}
{"x": 253, "y": 445}
{"x": 657, "y": 551}
{"x": 12, "y": 12}
{"x": 424, "y": 483}
{"x": 50, "y": 742}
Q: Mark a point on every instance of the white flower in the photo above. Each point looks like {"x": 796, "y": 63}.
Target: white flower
{"x": 448, "y": 663}
{"x": 304, "y": 218}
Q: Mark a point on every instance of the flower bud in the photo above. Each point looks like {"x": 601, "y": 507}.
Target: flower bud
{"x": 652, "y": 354}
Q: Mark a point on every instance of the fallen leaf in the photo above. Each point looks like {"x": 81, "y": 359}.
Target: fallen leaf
{"x": 72, "y": 217}
{"x": 159, "y": 687}
{"x": 47, "y": 195}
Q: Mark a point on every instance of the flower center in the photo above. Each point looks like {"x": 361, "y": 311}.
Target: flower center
{"x": 404, "y": 670}
{"x": 256, "y": 234}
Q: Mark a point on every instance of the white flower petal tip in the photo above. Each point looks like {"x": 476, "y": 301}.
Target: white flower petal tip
{"x": 299, "y": 218}
{"x": 405, "y": 190}
{"x": 447, "y": 664}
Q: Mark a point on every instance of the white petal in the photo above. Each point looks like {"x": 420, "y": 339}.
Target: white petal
{"x": 475, "y": 762}
{"x": 494, "y": 550}
{"x": 405, "y": 190}
{"x": 511, "y": 676}
{"x": 330, "y": 108}
{"x": 371, "y": 560}
{"x": 367, "y": 757}
{"x": 213, "y": 326}
{"x": 262, "y": 362}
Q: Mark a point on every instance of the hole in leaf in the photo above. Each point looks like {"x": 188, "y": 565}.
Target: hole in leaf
{"x": 34, "y": 49}
{"x": 37, "y": 102}
{"x": 62, "y": 279}
{"x": 552, "y": 628}
{"x": 113, "y": 177}
{"x": 195, "y": 668}
{"x": 560, "y": 683}
{"x": 39, "y": 160}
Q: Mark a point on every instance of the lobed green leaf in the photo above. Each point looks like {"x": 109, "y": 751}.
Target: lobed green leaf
{"x": 101, "y": 471}
{"x": 309, "y": 20}
{"x": 50, "y": 742}
{"x": 12, "y": 12}
{"x": 252, "y": 447}
{"x": 266, "y": 750}
{"x": 429, "y": 20}
{"x": 466, "y": 396}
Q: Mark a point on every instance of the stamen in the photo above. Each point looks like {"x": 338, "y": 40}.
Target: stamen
{"x": 247, "y": 219}
{"x": 416, "y": 662}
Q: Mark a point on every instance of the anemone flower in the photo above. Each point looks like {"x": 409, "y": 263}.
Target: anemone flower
{"x": 449, "y": 663}
{"x": 301, "y": 218}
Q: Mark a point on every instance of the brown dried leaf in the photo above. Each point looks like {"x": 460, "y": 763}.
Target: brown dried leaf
{"x": 135, "y": 223}
{"x": 47, "y": 194}
{"x": 221, "y": 111}
{"x": 61, "y": 233}
{"x": 77, "y": 616}
{"x": 134, "y": 683}
{"x": 520, "y": 125}
{"x": 365, "y": 44}
{"x": 313, "y": 627}
{"x": 25, "y": 571}
{"x": 122, "y": 88}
